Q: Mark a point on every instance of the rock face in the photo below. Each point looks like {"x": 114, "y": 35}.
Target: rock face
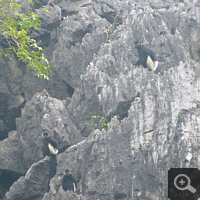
{"x": 24, "y": 147}
{"x": 11, "y": 96}
{"x": 34, "y": 184}
{"x": 154, "y": 116}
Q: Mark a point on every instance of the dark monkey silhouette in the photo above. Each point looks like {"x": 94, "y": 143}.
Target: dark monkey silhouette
{"x": 147, "y": 57}
{"x": 69, "y": 182}
{"x": 50, "y": 144}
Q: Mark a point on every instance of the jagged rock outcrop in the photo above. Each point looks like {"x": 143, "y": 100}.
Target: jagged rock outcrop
{"x": 50, "y": 16}
{"x": 24, "y": 147}
{"x": 34, "y": 184}
{"x": 154, "y": 116}
{"x": 11, "y": 96}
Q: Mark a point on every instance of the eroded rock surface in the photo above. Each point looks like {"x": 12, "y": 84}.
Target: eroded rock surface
{"x": 154, "y": 116}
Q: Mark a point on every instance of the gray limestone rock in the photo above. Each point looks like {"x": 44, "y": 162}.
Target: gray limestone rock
{"x": 11, "y": 96}
{"x": 154, "y": 116}
{"x": 24, "y": 147}
{"x": 34, "y": 184}
{"x": 50, "y": 16}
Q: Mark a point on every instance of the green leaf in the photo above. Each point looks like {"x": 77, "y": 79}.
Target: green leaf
{"x": 40, "y": 48}
{"x": 47, "y": 11}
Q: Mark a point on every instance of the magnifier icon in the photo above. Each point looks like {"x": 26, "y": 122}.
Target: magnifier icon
{"x": 182, "y": 182}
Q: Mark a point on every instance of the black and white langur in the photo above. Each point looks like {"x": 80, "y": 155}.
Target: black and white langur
{"x": 69, "y": 182}
{"x": 147, "y": 57}
{"x": 50, "y": 145}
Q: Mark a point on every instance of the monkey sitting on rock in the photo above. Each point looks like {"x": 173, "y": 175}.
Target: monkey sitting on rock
{"x": 50, "y": 144}
{"x": 147, "y": 57}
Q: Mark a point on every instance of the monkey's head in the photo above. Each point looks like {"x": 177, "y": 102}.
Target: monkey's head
{"x": 45, "y": 134}
{"x": 138, "y": 44}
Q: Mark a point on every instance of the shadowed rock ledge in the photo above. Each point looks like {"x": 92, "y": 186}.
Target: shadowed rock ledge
{"x": 154, "y": 116}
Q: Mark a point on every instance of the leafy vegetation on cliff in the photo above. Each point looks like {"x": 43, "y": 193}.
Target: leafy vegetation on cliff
{"x": 14, "y": 29}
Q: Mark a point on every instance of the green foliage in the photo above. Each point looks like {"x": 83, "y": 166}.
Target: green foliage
{"x": 99, "y": 121}
{"x": 106, "y": 37}
{"x": 14, "y": 29}
{"x": 47, "y": 11}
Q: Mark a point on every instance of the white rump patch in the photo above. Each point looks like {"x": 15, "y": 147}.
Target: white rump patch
{"x": 156, "y": 65}
{"x": 74, "y": 187}
{"x": 151, "y": 64}
{"x": 52, "y": 150}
